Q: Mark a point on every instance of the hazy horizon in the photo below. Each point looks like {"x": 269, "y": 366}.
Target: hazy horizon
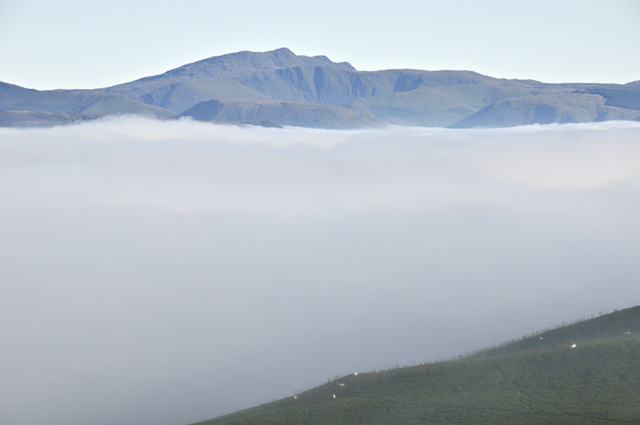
{"x": 166, "y": 272}
{"x": 72, "y": 44}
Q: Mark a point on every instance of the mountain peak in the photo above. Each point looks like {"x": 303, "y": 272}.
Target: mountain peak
{"x": 247, "y": 62}
{"x": 283, "y": 52}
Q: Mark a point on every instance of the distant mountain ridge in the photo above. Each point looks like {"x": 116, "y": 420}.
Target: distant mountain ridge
{"x": 352, "y": 98}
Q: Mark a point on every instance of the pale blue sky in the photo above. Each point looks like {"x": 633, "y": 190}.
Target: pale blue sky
{"x": 80, "y": 44}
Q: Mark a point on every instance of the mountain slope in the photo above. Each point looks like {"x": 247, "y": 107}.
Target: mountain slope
{"x": 13, "y": 97}
{"x": 543, "y": 378}
{"x": 235, "y": 71}
{"x": 625, "y": 97}
{"x": 299, "y": 114}
{"x": 546, "y": 109}
{"x": 436, "y": 105}
{"x": 40, "y": 118}
{"x": 397, "y": 96}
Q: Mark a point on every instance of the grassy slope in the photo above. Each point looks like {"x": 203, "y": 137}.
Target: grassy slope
{"x": 546, "y": 109}
{"x": 439, "y": 106}
{"x": 530, "y": 381}
{"x": 622, "y": 97}
{"x": 302, "y": 114}
{"x": 40, "y": 118}
{"x": 119, "y": 105}
{"x": 74, "y": 102}
{"x": 183, "y": 95}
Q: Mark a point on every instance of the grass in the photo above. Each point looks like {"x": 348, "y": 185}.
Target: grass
{"x": 538, "y": 379}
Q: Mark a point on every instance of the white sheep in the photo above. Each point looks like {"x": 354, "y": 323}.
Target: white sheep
{"x": 334, "y": 396}
{"x": 573, "y": 345}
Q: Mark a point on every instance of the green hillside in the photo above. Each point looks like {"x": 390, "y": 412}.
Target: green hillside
{"x": 584, "y": 373}
{"x": 40, "y": 118}
{"x": 546, "y": 109}
{"x": 437, "y": 105}
{"x": 299, "y": 114}
{"x": 91, "y": 102}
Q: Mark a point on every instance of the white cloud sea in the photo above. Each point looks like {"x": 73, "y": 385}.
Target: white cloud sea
{"x": 166, "y": 272}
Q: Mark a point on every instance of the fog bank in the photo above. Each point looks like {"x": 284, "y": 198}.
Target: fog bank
{"x": 167, "y": 272}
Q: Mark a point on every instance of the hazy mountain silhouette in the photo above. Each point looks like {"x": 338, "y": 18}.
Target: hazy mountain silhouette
{"x": 397, "y": 96}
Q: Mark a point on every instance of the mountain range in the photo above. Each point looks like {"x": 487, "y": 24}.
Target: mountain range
{"x": 280, "y": 88}
{"x": 585, "y": 373}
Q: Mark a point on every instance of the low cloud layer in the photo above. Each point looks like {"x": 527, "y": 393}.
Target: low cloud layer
{"x": 166, "y": 272}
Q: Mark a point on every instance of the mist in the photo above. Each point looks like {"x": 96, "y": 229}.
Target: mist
{"x": 168, "y": 272}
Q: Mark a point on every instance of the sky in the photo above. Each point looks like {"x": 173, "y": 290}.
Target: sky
{"x": 79, "y": 44}
{"x": 165, "y": 272}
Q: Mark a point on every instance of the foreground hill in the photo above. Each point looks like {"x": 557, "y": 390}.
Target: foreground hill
{"x": 584, "y": 373}
{"x": 397, "y": 96}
